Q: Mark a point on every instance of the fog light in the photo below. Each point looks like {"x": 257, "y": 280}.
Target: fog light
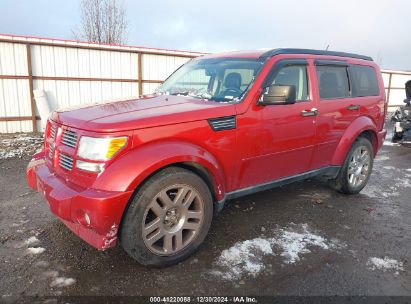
{"x": 87, "y": 166}
{"x": 83, "y": 218}
{"x": 87, "y": 219}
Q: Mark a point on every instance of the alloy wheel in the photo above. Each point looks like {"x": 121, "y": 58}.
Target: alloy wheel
{"x": 173, "y": 219}
{"x": 359, "y": 167}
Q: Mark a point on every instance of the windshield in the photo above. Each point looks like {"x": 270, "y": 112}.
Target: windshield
{"x": 218, "y": 79}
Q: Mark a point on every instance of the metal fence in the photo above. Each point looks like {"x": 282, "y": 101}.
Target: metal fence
{"x": 394, "y": 82}
{"x": 72, "y": 73}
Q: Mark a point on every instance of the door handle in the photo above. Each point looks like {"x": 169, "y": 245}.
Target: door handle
{"x": 312, "y": 112}
{"x": 353, "y": 107}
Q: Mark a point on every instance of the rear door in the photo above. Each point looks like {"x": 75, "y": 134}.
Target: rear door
{"x": 336, "y": 108}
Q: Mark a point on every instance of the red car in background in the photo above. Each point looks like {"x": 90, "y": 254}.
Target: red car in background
{"x": 151, "y": 172}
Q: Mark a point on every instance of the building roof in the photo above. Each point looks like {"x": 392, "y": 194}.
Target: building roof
{"x": 91, "y": 45}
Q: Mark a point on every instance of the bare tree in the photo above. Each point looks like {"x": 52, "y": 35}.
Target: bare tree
{"x": 102, "y": 21}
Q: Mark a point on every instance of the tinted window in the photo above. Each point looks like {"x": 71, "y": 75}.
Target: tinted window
{"x": 333, "y": 82}
{"x": 296, "y": 76}
{"x": 364, "y": 81}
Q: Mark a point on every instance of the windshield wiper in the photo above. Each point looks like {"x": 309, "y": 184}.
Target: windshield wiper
{"x": 184, "y": 93}
{"x": 203, "y": 95}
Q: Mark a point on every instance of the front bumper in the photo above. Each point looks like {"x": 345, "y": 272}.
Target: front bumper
{"x": 72, "y": 204}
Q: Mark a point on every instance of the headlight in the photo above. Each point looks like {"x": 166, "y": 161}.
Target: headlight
{"x": 100, "y": 148}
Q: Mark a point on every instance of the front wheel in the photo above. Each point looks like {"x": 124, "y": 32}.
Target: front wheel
{"x": 356, "y": 171}
{"x": 168, "y": 218}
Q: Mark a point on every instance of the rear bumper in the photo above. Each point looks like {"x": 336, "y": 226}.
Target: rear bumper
{"x": 72, "y": 204}
{"x": 381, "y": 137}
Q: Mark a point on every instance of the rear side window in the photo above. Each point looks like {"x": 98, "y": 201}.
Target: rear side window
{"x": 364, "y": 81}
{"x": 333, "y": 82}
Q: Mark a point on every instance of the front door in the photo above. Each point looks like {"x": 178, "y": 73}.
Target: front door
{"x": 286, "y": 133}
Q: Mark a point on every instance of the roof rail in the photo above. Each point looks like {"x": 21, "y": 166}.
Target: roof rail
{"x": 274, "y": 52}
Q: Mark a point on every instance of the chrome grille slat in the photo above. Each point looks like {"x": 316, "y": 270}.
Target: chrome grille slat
{"x": 53, "y": 132}
{"x": 66, "y": 158}
{"x": 69, "y": 138}
{"x": 66, "y": 162}
{"x": 51, "y": 151}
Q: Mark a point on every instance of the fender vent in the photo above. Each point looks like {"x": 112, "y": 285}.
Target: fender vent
{"x": 223, "y": 123}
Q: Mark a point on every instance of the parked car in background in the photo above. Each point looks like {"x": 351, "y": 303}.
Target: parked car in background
{"x": 151, "y": 172}
{"x": 402, "y": 118}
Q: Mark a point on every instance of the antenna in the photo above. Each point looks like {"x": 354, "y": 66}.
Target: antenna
{"x": 327, "y": 47}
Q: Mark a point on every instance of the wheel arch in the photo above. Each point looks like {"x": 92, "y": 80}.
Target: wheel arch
{"x": 193, "y": 167}
{"x": 362, "y": 126}
{"x": 131, "y": 170}
{"x": 371, "y": 135}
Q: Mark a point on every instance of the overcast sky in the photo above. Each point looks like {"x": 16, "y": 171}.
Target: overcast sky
{"x": 378, "y": 28}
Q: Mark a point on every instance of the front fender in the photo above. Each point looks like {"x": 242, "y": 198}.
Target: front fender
{"x": 132, "y": 168}
{"x": 358, "y": 126}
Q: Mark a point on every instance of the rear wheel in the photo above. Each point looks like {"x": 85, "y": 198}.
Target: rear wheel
{"x": 356, "y": 171}
{"x": 168, "y": 218}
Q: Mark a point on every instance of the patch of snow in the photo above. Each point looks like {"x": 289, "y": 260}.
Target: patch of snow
{"x": 19, "y": 145}
{"x": 385, "y": 264}
{"x": 390, "y": 143}
{"x": 377, "y": 192}
{"x": 51, "y": 274}
{"x": 247, "y": 258}
{"x": 42, "y": 264}
{"x": 31, "y": 240}
{"x": 35, "y": 250}
{"x": 62, "y": 282}
{"x": 389, "y": 168}
{"x": 397, "y": 177}
{"x": 243, "y": 258}
{"x": 294, "y": 244}
{"x": 22, "y": 222}
{"x": 381, "y": 158}
{"x": 402, "y": 182}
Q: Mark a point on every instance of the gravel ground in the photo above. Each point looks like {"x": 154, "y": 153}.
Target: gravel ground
{"x": 300, "y": 239}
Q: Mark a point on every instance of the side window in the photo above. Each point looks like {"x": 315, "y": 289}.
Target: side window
{"x": 333, "y": 81}
{"x": 296, "y": 76}
{"x": 364, "y": 81}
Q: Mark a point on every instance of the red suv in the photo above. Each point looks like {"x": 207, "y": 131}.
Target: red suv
{"x": 151, "y": 172}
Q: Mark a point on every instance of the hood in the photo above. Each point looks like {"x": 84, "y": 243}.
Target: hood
{"x": 141, "y": 113}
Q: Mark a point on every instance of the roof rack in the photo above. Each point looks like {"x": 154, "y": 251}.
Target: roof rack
{"x": 274, "y": 52}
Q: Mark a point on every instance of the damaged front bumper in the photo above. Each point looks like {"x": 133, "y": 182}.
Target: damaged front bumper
{"x": 93, "y": 215}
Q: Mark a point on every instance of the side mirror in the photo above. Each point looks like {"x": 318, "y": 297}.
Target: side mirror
{"x": 278, "y": 95}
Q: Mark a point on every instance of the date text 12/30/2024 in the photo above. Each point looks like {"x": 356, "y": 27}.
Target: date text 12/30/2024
{"x": 202, "y": 299}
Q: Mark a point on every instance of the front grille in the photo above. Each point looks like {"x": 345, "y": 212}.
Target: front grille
{"x": 52, "y": 140}
{"x": 53, "y": 131}
{"x": 69, "y": 138}
{"x": 66, "y": 162}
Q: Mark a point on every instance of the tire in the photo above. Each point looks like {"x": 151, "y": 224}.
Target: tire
{"x": 355, "y": 167}
{"x": 168, "y": 218}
